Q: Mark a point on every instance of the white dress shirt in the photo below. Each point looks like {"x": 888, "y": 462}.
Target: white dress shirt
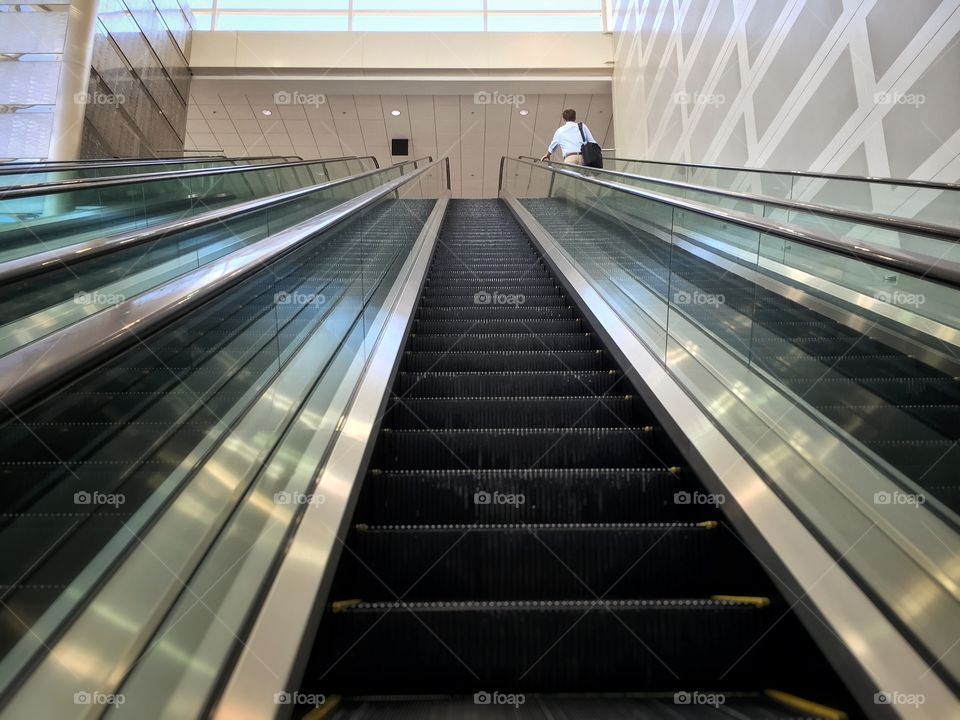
{"x": 567, "y": 137}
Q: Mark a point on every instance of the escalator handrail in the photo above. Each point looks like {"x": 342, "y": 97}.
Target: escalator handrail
{"x": 889, "y": 222}
{"x": 66, "y": 166}
{"x": 64, "y": 353}
{"x": 15, "y": 192}
{"x": 929, "y": 184}
{"x": 41, "y": 262}
{"x": 945, "y": 272}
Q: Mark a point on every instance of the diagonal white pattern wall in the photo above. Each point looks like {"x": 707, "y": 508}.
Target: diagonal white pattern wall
{"x": 866, "y": 87}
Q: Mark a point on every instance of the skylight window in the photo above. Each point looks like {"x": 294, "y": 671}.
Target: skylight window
{"x": 401, "y": 15}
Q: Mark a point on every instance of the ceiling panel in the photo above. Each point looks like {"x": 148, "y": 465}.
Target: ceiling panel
{"x": 472, "y": 134}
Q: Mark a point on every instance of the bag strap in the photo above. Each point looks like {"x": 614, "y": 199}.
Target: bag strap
{"x": 582, "y": 136}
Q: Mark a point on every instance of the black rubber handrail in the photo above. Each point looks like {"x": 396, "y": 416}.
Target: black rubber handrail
{"x": 20, "y": 268}
{"x": 922, "y": 266}
{"x": 803, "y": 173}
{"x": 28, "y": 168}
{"x": 888, "y": 222}
{"x": 15, "y": 192}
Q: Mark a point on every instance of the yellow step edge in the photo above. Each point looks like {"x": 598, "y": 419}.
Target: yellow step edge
{"x": 805, "y": 706}
{"x": 709, "y": 525}
{"x": 325, "y": 710}
{"x": 760, "y": 602}
{"x": 675, "y": 469}
{"x": 341, "y": 605}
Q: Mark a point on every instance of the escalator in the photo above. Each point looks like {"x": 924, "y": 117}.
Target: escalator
{"x": 528, "y": 536}
{"x": 894, "y": 404}
{"x": 98, "y": 461}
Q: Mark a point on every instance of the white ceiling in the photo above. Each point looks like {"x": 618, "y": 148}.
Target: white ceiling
{"x": 226, "y": 115}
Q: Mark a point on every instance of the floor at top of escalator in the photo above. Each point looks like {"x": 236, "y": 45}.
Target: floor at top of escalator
{"x": 678, "y": 706}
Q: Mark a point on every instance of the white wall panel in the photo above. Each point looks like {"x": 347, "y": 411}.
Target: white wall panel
{"x": 866, "y": 86}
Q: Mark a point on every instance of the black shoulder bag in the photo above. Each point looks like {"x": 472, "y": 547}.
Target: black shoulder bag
{"x": 590, "y": 151}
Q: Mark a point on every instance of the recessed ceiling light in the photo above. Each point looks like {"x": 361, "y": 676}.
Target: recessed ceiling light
{"x": 395, "y": 113}
{"x": 268, "y": 113}
{"x": 524, "y": 112}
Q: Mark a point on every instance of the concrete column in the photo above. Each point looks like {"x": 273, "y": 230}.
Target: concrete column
{"x": 74, "y": 76}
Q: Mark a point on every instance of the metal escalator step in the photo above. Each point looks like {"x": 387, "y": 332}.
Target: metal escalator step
{"x": 456, "y": 265}
{"x": 525, "y": 447}
{"x": 556, "y": 561}
{"x": 452, "y": 384}
{"x": 483, "y": 311}
{"x": 504, "y": 325}
{"x": 463, "y": 283}
{"x": 502, "y": 342}
{"x": 551, "y": 299}
{"x": 554, "y": 495}
{"x": 912, "y": 422}
{"x": 518, "y": 411}
{"x": 517, "y": 274}
{"x": 927, "y": 461}
{"x": 862, "y": 390}
{"x": 528, "y": 360}
{"x": 549, "y": 646}
{"x": 659, "y": 706}
{"x": 855, "y": 364}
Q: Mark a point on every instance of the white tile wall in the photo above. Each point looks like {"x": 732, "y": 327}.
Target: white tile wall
{"x": 859, "y": 86}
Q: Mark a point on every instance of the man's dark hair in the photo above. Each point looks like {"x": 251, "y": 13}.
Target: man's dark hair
{"x": 570, "y": 115}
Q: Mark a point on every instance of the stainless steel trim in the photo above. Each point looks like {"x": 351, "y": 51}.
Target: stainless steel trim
{"x": 69, "y": 254}
{"x": 946, "y": 272}
{"x": 943, "y": 232}
{"x": 21, "y": 191}
{"x": 872, "y": 653}
{"x": 801, "y": 173}
{"x": 286, "y": 622}
{"x": 65, "y": 352}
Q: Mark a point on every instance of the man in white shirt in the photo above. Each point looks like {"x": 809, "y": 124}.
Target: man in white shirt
{"x": 568, "y": 139}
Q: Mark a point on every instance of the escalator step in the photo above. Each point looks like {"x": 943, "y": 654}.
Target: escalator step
{"x": 799, "y": 365}
{"x": 527, "y": 412}
{"x": 556, "y": 495}
{"x": 506, "y": 361}
{"x": 549, "y": 561}
{"x": 544, "y": 299}
{"x": 481, "y": 449}
{"x": 581, "y": 707}
{"x": 913, "y": 422}
{"x": 471, "y": 384}
{"x": 495, "y": 312}
{"x": 471, "y": 284}
{"x": 863, "y": 390}
{"x": 497, "y": 326}
{"x": 554, "y": 646}
{"x": 503, "y": 342}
